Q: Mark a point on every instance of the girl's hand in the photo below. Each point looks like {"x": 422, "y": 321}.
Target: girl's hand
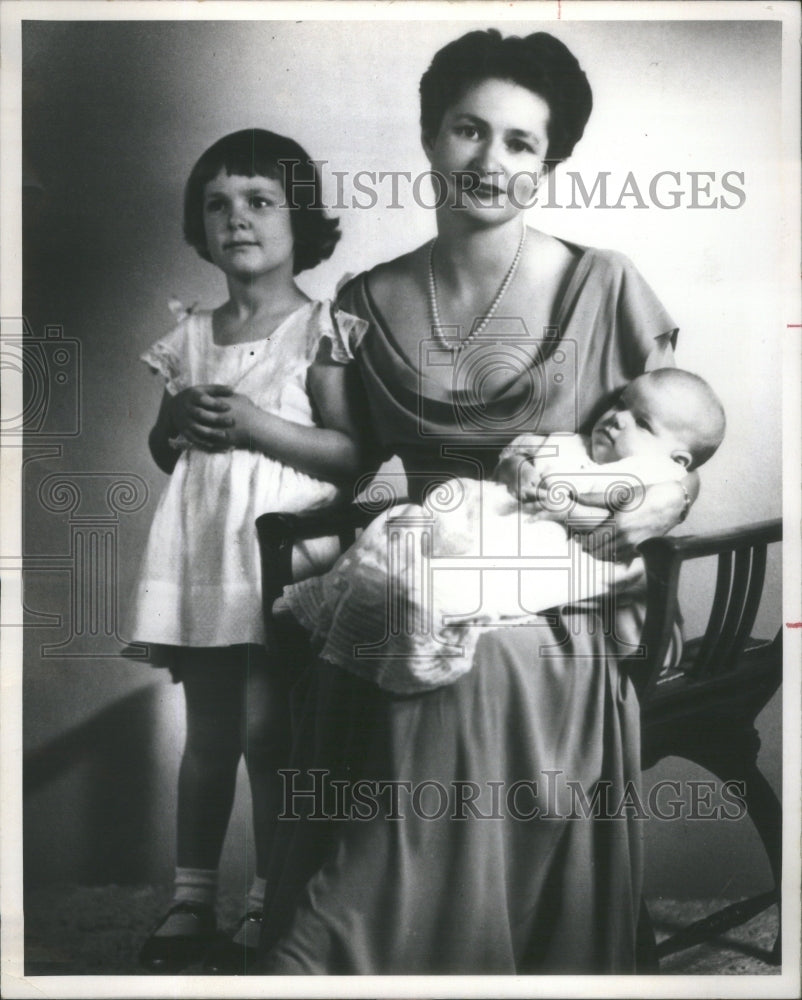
{"x": 327, "y": 452}
{"x": 201, "y": 414}
{"x": 244, "y": 416}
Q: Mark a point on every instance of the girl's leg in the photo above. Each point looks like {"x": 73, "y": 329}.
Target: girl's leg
{"x": 212, "y": 682}
{"x": 265, "y": 745}
{"x": 265, "y": 735}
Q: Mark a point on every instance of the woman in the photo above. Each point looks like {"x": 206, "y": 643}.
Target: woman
{"x": 489, "y": 330}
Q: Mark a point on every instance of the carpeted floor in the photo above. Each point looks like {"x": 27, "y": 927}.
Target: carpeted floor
{"x": 77, "y": 930}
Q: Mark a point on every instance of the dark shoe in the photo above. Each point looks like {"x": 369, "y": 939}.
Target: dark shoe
{"x": 229, "y": 957}
{"x": 174, "y": 952}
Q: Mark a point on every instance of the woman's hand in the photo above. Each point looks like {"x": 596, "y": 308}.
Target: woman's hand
{"x": 202, "y": 415}
{"x": 664, "y": 505}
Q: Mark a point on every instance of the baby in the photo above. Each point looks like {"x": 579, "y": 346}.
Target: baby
{"x": 546, "y": 491}
{"x": 664, "y": 424}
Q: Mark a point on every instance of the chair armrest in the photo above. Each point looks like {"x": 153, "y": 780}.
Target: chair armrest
{"x": 278, "y": 532}
{"x": 278, "y": 529}
{"x": 663, "y": 558}
{"x": 712, "y": 543}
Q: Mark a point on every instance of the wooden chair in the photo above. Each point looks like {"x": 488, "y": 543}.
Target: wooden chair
{"x": 704, "y": 709}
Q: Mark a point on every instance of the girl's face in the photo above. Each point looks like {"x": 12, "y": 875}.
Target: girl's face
{"x": 247, "y": 225}
{"x": 490, "y": 149}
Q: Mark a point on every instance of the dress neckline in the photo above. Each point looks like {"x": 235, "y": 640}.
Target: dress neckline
{"x": 581, "y": 263}
{"x": 259, "y": 340}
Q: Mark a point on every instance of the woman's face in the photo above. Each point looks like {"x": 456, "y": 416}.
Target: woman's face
{"x": 490, "y": 149}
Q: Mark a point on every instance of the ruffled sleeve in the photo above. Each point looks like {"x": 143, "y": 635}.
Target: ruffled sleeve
{"x": 342, "y": 332}
{"x": 167, "y": 356}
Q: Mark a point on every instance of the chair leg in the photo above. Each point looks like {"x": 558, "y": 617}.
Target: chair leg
{"x": 766, "y": 813}
{"x": 733, "y": 757}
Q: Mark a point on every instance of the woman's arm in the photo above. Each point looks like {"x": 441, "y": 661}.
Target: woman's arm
{"x": 664, "y": 506}
{"x": 332, "y": 451}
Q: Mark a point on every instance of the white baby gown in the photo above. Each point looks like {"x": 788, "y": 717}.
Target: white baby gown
{"x": 406, "y": 605}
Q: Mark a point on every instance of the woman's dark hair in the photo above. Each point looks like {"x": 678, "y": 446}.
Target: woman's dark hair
{"x": 538, "y": 62}
{"x": 255, "y": 152}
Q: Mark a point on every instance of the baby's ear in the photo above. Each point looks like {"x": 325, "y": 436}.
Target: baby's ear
{"x": 684, "y": 458}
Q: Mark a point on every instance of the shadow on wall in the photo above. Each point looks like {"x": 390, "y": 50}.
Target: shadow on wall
{"x": 99, "y": 798}
{"x": 109, "y": 774}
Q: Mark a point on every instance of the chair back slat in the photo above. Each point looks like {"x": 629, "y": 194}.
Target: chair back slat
{"x": 718, "y": 614}
{"x": 718, "y": 662}
{"x": 751, "y": 602}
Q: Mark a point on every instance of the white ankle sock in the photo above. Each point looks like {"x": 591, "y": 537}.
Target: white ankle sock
{"x": 195, "y": 885}
{"x": 256, "y": 895}
{"x": 191, "y": 885}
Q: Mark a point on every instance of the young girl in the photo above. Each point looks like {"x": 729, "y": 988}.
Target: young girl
{"x": 255, "y": 417}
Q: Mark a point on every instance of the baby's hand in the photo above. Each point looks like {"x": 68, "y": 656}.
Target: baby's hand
{"x": 535, "y": 510}
{"x": 518, "y": 474}
{"x": 516, "y": 469}
{"x": 201, "y": 415}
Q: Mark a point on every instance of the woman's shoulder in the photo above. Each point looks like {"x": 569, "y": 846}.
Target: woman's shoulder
{"x": 601, "y": 260}
{"x": 600, "y": 257}
{"x": 392, "y": 277}
{"x": 384, "y": 283}
{"x": 610, "y": 276}
{"x": 613, "y": 262}
{"x": 614, "y": 273}
{"x": 551, "y": 265}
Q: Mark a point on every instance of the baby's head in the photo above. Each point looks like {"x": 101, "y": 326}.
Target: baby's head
{"x": 667, "y": 412}
{"x": 255, "y": 152}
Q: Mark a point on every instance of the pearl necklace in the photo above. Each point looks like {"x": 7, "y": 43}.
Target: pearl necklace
{"x": 434, "y": 312}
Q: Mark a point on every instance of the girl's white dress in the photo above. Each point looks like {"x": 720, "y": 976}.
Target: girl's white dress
{"x": 199, "y": 583}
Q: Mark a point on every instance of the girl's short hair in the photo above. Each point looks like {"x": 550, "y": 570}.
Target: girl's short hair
{"x": 255, "y": 152}
{"x": 538, "y": 62}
